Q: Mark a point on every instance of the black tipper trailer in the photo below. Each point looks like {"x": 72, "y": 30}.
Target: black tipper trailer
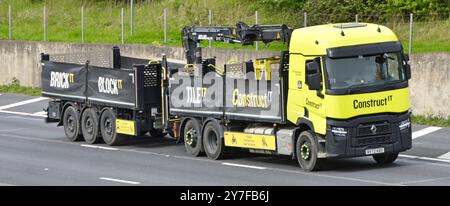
{"x": 139, "y": 96}
{"x": 127, "y": 90}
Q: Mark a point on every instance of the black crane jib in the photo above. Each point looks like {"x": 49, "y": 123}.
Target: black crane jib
{"x": 242, "y": 33}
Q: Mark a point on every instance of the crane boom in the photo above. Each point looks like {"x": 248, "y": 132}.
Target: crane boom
{"x": 242, "y": 33}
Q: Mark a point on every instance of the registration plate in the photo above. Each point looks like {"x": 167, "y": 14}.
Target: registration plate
{"x": 374, "y": 151}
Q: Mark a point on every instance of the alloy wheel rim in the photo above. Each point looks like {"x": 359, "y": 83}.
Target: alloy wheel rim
{"x": 191, "y": 137}
{"x": 305, "y": 151}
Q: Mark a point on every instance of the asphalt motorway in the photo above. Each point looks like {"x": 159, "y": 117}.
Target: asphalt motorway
{"x": 35, "y": 153}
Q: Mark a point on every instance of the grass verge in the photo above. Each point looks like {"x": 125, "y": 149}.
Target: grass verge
{"x": 21, "y": 90}
{"x": 430, "y": 120}
{"x": 14, "y": 87}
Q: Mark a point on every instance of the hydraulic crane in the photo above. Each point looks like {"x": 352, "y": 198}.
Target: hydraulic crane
{"x": 242, "y": 33}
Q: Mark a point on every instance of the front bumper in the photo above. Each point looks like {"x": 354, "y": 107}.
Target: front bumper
{"x": 359, "y": 138}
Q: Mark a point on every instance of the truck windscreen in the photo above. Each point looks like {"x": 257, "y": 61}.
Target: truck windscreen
{"x": 362, "y": 71}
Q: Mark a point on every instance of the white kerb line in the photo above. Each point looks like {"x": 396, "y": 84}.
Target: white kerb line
{"x": 425, "y": 131}
{"x": 22, "y": 113}
{"x": 425, "y": 158}
{"x": 22, "y": 103}
{"x": 445, "y": 156}
{"x": 119, "y": 180}
{"x": 245, "y": 166}
{"x": 41, "y": 113}
{"x": 99, "y": 147}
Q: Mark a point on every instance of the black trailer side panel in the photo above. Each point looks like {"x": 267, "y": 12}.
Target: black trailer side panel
{"x": 195, "y": 96}
{"x": 230, "y": 97}
{"x": 115, "y": 87}
{"x": 254, "y": 100}
{"x": 63, "y": 80}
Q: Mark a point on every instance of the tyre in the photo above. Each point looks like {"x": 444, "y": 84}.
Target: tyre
{"x": 108, "y": 128}
{"x": 307, "y": 149}
{"x": 192, "y": 138}
{"x": 385, "y": 158}
{"x": 71, "y": 124}
{"x": 213, "y": 141}
{"x": 90, "y": 126}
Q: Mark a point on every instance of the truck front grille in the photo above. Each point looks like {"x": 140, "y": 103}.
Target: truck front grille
{"x": 379, "y": 128}
{"x": 364, "y": 141}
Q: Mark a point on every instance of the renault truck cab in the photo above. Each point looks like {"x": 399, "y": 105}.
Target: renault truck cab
{"x": 348, "y": 83}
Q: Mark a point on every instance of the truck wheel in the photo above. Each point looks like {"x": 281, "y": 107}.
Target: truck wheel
{"x": 71, "y": 124}
{"x": 306, "y": 150}
{"x": 108, "y": 128}
{"x": 192, "y": 137}
{"x": 213, "y": 141}
{"x": 89, "y": 126}
{"x": 385, "y": 158}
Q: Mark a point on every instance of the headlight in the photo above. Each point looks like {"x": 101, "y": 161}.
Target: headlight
{"x": 405, "y": 124}
{"x": 339, "y": 131}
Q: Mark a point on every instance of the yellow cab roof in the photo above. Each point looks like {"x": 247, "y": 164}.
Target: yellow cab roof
{"x": 315, "y": 40}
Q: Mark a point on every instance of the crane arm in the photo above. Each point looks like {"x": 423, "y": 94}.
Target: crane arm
{"x": 242, "y": 33}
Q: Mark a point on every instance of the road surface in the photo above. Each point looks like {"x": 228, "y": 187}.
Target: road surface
{"x": 35, "y": 153}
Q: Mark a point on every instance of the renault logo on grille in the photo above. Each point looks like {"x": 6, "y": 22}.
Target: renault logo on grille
{"x": 373, "y": 129}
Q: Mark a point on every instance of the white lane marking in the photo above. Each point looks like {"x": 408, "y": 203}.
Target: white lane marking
{"x": 425, "y": 131}
{"x": 99, "y": 147}
{"x": 245, "y": 166}
{"x": 22, "y": 113}
{"x": 445, "y": 156}
{"x": 119, "y": 180}
{"x": 22, "y": 103}
{"x": 425, "y": 158}
{"x": 42, "y": 113}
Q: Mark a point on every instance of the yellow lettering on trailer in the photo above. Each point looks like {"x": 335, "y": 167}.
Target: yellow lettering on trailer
{"x": 246, "y": 140}
{"x": 125, "y": 127}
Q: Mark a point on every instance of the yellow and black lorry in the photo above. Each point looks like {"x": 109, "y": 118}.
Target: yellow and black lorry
{"x": 340, "y": 90}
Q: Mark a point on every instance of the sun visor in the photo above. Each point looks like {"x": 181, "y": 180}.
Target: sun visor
{"x": 366, "y": 49}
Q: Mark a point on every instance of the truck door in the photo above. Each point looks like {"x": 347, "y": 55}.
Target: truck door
{"x": 306, "y": 91}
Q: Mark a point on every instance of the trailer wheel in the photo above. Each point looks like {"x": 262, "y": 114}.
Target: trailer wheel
{"x": 192, "y": 137}
{"x": 213, "y": 141}
{"x": 71, "y": 124}
{"x": 307, "y": 150}
{"x": 385, "y": 158}
{"x": 90, "y": 126}
{"x": 108, "y": 128}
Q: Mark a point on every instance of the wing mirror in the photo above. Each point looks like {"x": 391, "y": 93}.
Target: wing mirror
{"x": 408, "y": 71}
{"x": 406, "y": 57}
